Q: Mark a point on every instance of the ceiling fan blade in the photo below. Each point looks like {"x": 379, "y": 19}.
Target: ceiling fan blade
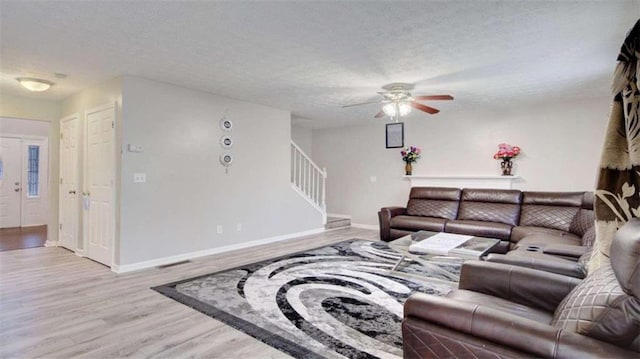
{"x": 363, "y": 103}
{"x": 379, "y": 114}
{"x": 424, "y": 108}
{"x": 434, "y": 97}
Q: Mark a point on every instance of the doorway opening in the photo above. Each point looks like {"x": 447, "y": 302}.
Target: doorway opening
{"x": 24, "y": 183}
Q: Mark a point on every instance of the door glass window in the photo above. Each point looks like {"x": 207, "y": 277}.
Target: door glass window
{"x": 33, "y": 171}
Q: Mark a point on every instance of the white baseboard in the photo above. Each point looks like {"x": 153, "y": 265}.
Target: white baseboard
{"x": 365, "y": 226}
{"x": 49, "y": 243}
{"x": 33, "y": 225}
{"x": 207, "y": 252}
{"x": 335, "y": 215}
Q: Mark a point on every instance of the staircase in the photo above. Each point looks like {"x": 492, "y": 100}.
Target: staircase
{"x": 308, "y": 180}
{"x": 337, "y": 222}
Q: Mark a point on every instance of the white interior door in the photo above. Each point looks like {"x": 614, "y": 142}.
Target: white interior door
{"x": 100, "y": 165}
{"x": 68, "y": 206}
{"x": 10, "y": 182}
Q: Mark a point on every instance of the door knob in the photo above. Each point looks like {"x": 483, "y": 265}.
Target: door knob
{"x": 16, "y": 183}
{"x": 72, "y": 192}
{"x": 17, "y": 190}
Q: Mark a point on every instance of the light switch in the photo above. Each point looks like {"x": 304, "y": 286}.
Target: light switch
{"x": 139, "y": 177}
{"x": 135, "y": 148}
{"x": 373, "y": 179}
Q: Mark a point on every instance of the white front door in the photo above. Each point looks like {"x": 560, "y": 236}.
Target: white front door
{"x": 68, "y": 206}
{"x": 10, "y": 182}
{"x": 100, "y": 164}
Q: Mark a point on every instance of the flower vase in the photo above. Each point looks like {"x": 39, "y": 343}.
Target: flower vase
{"x": 408, "y": 169}
{"x": 506, "y": 166}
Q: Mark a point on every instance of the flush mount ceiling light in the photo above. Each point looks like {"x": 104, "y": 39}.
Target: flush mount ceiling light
{"x": 33, "y": 84}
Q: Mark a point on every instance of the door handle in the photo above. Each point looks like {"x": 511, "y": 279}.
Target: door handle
{"x": 72, "y": 192}
{"x": 17, "y": 190}
{"x": 16, "y": 183}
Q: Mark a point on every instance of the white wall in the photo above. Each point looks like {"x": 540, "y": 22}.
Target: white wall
{"x": 109, "y": 92}
{"x": 302, "y": 136}
{"x": 561, "y": 145}
{"x": 22, "y": 127}
{"x": 15, "y": 108}
{"x": 28, "y": 108}
{"x": 187, "y": 193}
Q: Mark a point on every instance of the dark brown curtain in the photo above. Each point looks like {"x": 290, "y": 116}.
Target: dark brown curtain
{"x": 618, "y": 188}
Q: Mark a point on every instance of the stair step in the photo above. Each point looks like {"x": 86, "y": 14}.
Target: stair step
{"x": 336, "y": 222}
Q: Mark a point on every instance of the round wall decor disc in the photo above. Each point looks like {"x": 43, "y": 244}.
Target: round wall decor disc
{"x": 226, "y": 141}
{"x": 226, "y": 124}
{"x": 226, "y": 159}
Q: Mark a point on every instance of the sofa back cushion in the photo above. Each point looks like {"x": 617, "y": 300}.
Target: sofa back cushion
{"x": 599, "y": 308}
{"x": 582, "y": 222}
{"x": 555, "y": 210}
{"x": 434, "y": 202}
{"x": 490, "y": 205}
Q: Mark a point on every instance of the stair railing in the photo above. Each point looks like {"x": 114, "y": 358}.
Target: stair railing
{"x": 308, "y": 179}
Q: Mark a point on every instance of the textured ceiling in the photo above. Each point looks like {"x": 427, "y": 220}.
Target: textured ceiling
{"x": 312, "y": 57}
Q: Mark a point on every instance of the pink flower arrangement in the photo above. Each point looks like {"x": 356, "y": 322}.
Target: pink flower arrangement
{"x": 506, "y": 152}
{"x": 410, "y": 154}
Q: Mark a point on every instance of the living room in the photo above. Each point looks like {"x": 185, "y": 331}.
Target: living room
{"x": 536, "y": 75}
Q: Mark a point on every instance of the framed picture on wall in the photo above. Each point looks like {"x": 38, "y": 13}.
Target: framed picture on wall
{"x": 395, "y": 135}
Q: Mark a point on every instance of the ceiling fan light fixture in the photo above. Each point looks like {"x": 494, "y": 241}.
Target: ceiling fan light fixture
{"x": 404, "y": 109}
{"x": 394, "y": 109}
{"x": 34, "y": 84}
{"x": 389, "y": 109}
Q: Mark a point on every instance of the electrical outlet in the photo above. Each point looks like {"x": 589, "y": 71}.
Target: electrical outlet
{"x": 219, "y": 229}
{"x": 139, "y": 177}
{"x": 239, "y": 227}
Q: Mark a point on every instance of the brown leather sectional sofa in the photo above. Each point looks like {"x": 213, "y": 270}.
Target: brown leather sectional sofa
{"x": 557, "y": 223}
{"x": 502, "y": 311}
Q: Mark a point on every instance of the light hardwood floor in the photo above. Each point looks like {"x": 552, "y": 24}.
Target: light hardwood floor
{"x": 54, "y": 304}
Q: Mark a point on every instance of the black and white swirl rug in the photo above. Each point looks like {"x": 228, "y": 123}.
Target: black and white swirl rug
{"x": 337, "y": 301}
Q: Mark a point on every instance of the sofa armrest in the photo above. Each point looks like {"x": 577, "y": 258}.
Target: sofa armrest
{"x": 558, "y": 266}
{"x": 530, "y": 287}
{"x": 565, "y": 250}
{"x": 384, "y": 216}
{"x": 508, "y": 330}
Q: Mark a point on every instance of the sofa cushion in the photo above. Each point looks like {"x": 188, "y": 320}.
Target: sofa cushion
{"x": 554, "y": 217}
{"x": 582, "y": 222}
{"x": 560, "y": 199}
{"x": 541, "y": 261}
{"x": 441, "y": 193}
{"x": 554, "y": 210}
{"x": 542, "y": 240}
{"x": 432, "y": 208}
{"x": 439, "y": 202}
{"x": 520, "y": 232}
{"x": 599, "y": 308}
{"x": 490, "y": 205}
{"x": 479, "y": 228}
{"x": 626, "y": 250}
{"x": 511, "y": 196}
{"x": 415, "y": 223}
{"x": 501, "y": 304}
